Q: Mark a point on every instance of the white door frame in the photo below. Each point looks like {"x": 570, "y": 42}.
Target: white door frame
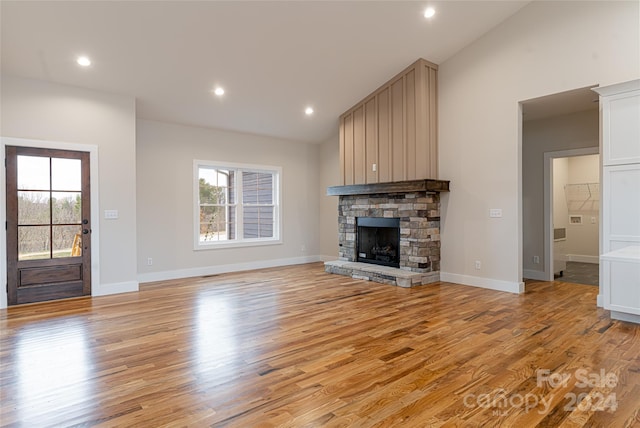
{"x": 95, "y": 217}
{"x": 548, "y": 201}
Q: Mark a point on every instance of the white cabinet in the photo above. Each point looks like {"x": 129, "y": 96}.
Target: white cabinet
{"x": 621, "y": 276}
{"x": 620, "y": 234}
{"x": 621, "y": 126}
{"x": 620, "y": 206}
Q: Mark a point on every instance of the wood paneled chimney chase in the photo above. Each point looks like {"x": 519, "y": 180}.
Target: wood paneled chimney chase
{"x": 391, "y": 135}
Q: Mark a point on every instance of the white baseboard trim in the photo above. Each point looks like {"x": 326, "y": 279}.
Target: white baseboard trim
{"x": 114, "y": 288}
{"x": 491, "y": 284}
{"x": 599, "y": 301}
{"x": 534, "y": 274}
{"x": 235, "y": 267}
{"x": 582, "y": 258}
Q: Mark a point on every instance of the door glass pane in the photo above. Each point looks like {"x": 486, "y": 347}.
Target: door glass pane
{"x": 33, "y": 173}
{"x": 66, "y": 174}
{"x": 33, "y": 207}
{"x": 34, "y": 242}
{"x": 67, "y": 241}
{"x": 67, "y": 207}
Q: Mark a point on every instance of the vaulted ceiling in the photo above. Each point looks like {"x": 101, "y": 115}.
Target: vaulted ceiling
{"x": 273, "y": 58}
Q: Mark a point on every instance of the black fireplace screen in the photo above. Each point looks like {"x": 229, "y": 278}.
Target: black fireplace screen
{"x": 378, "y": 240}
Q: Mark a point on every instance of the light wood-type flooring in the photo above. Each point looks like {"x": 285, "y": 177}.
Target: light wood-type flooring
{"x": 296, "y": 347}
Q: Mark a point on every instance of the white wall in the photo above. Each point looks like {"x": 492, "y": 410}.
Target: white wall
{"x": 165, "y": 155}
{"x": 554, "y": 134}
{"x": 37, "y": 110}
{"x": 545, "y": 48}
{"x": 329, "y": 176}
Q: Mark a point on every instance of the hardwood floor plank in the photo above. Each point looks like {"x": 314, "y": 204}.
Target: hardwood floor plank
{"x": 296, "y": 347}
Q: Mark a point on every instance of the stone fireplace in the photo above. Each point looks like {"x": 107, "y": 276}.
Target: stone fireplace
{"x": 415, "y": 206}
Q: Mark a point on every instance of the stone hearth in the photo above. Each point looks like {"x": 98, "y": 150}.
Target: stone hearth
{"x": 417, "y": 207}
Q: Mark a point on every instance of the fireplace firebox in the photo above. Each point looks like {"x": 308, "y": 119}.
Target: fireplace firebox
{"x": 378, "y": 241}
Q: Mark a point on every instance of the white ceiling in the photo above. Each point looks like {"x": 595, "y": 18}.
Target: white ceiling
{"x": 272, "y": 57}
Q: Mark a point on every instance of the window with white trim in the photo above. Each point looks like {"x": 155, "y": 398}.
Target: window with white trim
{"x": 236, "y": 204}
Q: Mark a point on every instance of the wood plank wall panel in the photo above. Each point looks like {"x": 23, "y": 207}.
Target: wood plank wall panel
{"x": 395, "y": 128}
{"x": 342, "y": 152}
{"x": 433, "y": 121}
{"x": 384, "y": 137}
{"x": 410, "y": 125}
{"x": 359, "y": 154}
{"x": 422, "y": 126}
{"x": 348, "y": 152}
{"x": 371, "y": 140}
{"x": 397, "y": 131}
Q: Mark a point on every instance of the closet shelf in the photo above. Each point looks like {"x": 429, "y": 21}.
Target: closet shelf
{"x": 582, "y": 197}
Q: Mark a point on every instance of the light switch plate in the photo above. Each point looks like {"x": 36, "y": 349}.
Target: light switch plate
{"x": 110, "y": 214}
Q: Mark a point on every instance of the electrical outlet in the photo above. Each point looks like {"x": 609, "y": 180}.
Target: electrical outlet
{"x": 536, "y": 259}
{"x": 478, "y": 264}
{"x": 303, "y": 248}
{"x": 149, "y": 261}
{"x": 374, "y": 167}
{"x": 495, "y": 212}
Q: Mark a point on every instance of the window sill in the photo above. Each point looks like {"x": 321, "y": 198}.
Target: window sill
{"x": 235, "y": 244}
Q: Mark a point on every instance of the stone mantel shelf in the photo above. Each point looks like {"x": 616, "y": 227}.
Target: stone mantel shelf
{"x": 427, "y": 185}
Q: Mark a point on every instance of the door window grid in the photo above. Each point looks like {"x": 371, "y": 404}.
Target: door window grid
{"x": 49, "y": 207}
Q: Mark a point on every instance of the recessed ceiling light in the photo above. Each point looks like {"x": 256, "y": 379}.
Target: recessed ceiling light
{"x": 83, "y": 61}
{"x": 219, "y": 91}
{"x": 308, "y": 111}
{"x": 429, "y": 12}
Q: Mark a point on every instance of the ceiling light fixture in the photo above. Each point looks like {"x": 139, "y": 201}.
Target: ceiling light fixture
{"x": 83, "y": 61}
{"x": 429, "y": 12}
{"x": 308, "y": 111}
{"x": 219, "y": 91}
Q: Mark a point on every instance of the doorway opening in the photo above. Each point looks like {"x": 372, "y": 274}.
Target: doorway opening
{"x": 561, "y": 125}
{"x": 572, "y": 222}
